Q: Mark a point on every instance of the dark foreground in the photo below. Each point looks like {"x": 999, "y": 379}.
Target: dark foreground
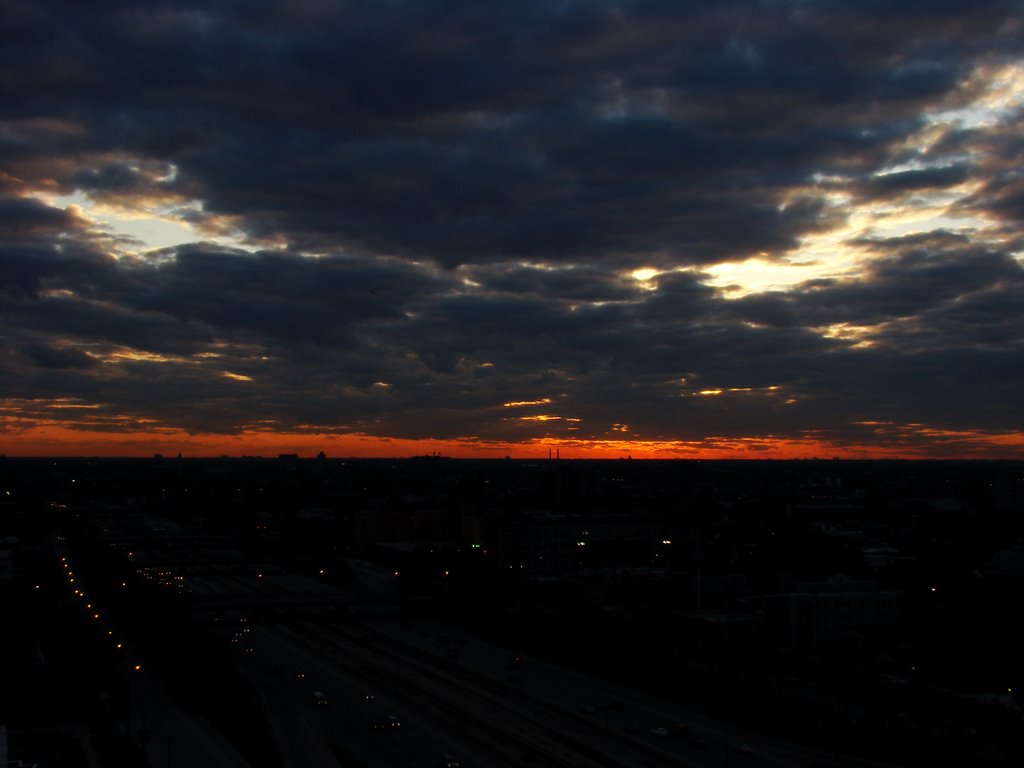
{"x": 432, "y": 612}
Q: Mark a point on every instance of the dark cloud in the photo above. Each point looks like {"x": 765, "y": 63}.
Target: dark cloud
{"x": 442, "y": 202}
{"x": 577, "y": 130}
{"x": 38, "y": 244}
{"x": 52, "y": 357}
{"x": 910, "y": 181}
{"x": 577, "y": 282}
{"x": 277, "y": 295}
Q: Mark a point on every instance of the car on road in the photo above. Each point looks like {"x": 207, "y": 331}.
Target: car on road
{"x": 659, "y": 730}
{"x": 319, "y": 699}
{"x": 447, "y": 761}
{"x": 745, "y": 749}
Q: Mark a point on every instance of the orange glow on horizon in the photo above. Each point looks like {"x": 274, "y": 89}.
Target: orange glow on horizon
{"x": 54, "y": 440}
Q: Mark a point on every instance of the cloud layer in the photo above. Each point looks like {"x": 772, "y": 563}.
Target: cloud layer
{"x": 500, "y": 225}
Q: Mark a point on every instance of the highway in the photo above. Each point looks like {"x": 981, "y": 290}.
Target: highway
{"x": 620, "y": 710}
{"x": 171, "y": 735}
{"x": 451, "y": 692}
{"x": 471, "y": 706}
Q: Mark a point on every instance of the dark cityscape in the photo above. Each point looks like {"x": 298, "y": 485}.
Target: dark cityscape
{"x": 432, "y": 611}
{"x": 533, "y": 384}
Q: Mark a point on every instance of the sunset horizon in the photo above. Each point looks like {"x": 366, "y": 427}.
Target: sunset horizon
{"x": 57, "y": 443}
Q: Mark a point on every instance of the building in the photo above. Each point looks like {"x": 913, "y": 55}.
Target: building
{"x": 816, "y": 613}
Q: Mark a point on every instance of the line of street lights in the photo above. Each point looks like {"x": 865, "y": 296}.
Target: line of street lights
{"x": 89, "y": 607}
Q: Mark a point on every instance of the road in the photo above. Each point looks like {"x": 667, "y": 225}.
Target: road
{"x": 171, "y": 735}
{"x": 465, "y": 706}
{"x": 451, "y": 692}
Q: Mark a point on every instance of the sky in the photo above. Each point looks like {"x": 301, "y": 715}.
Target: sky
{"x": 728, "y": 229}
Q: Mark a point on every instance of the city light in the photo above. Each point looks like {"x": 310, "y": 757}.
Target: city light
{"x": 606, "y": 584}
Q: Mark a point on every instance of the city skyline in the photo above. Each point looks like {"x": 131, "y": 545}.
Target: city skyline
{"x": 696, "y": 230}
